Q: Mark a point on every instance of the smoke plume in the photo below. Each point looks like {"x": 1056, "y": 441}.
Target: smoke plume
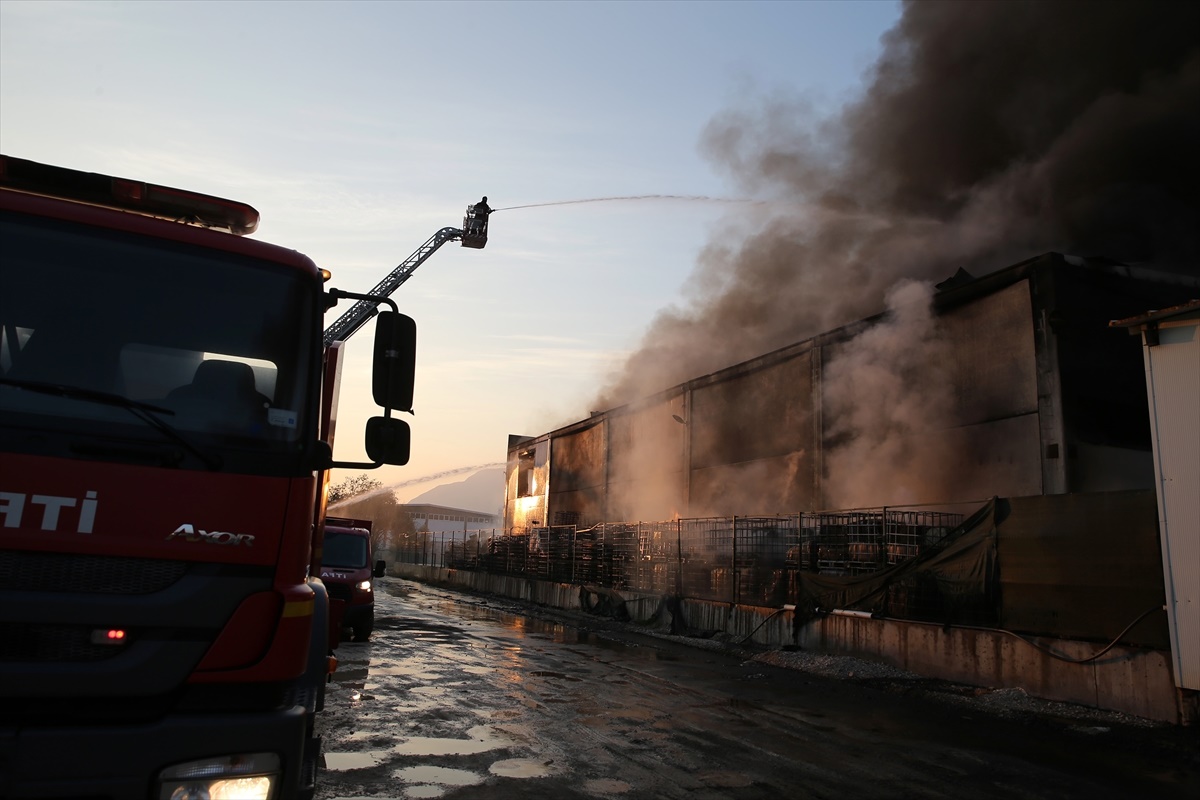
{"x": 878, "y": 420}
{"x": 988, "y": 132}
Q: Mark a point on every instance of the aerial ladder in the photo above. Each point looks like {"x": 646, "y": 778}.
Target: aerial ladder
{"x": 472, "y": 234}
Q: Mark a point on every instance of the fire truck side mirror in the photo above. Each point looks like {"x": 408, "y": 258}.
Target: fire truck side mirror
{"x": 394, "y": 369}
{"x": 389, "y": 441}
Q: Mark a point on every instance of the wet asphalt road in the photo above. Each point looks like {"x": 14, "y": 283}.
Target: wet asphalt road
{"x": 459, "y": 696}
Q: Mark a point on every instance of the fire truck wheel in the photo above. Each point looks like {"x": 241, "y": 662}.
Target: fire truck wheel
{"x": 362, "y": 632}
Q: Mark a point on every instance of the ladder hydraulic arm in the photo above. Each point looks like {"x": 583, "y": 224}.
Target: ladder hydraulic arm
{"x": 363, "y": 310}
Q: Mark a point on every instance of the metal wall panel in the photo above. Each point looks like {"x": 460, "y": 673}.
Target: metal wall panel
{"x": 764, "y": 486}
{"x": 645, "y": 462}
{"x": 999, "y": 458}
{"x": 993, "y": 366}
{"x": 1173, "y": 389}
{"x": 578, "y": 461}
{"x": 754, "y": 414}
{"x": 577, "y": 477}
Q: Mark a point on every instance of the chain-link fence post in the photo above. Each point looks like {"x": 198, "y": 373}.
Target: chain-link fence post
{"x": 679, "y": 558}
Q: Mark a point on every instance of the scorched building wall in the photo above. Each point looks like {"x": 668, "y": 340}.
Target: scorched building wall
{"x": 1030, "y": 392}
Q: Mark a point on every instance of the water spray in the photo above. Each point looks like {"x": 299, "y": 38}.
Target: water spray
{"x": 416, "y": 481}
{"x": 444, "y": 474}
{"x": 693, "y": 198}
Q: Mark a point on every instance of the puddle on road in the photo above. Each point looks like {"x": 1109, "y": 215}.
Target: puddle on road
{"x": 428, "y": 746}
{"x": 441, "y": 776}
{"x": 340, "y": 762}
{"x": 482, "y": 740}
{"x": 520, "y": 768}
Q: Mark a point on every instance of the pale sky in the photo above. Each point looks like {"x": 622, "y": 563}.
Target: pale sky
{"x": 359, "y": 129}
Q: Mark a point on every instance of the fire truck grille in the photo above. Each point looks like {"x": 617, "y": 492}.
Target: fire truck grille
{"x": 54, "y": 572}
{"x": 56, "y": 643}
{"x": 338, "y": 591}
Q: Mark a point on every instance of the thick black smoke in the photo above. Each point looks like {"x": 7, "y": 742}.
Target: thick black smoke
{"x": 988, "y": 132}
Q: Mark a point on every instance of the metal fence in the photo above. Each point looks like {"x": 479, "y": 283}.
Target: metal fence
{"x": 750, "y": 560}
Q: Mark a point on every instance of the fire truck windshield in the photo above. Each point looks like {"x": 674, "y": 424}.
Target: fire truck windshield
{"x": 346, "y": 550}
{"x": 217, "y": 347}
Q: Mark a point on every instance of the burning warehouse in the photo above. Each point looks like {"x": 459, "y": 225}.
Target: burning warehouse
{"x": 1012, "y": 384}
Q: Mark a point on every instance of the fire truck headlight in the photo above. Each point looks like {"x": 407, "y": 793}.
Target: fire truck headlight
{"x": 364, "y": 586}
{"x": 246, "y": 776}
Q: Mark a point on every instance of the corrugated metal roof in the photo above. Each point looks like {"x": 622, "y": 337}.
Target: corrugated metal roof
{"x": 1150, "y": 317}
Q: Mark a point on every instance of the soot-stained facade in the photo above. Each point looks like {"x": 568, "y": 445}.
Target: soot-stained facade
{"x": 1012, "y": 384}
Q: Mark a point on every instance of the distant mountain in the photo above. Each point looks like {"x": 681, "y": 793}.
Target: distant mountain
{"x": 482, "y": 492}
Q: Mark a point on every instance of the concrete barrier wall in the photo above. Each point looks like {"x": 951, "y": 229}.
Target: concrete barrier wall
{"x": 1131, "y": 680}
{"x": 1134, "y": 681}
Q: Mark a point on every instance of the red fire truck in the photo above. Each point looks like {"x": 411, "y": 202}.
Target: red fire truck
{"x": 348, "y": 572}
{"x": 166, "y": 417}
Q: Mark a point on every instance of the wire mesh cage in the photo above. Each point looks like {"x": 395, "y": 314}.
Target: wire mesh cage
{"x": 746, "y": 560}
{"x": 858, "y": 542}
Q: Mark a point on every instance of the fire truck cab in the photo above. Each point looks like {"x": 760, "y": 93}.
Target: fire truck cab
{"x": 165, "y": 415}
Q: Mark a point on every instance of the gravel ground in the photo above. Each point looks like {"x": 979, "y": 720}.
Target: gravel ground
{"x": 1007, "y": 703}
{"x": 1004, "y": 703}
